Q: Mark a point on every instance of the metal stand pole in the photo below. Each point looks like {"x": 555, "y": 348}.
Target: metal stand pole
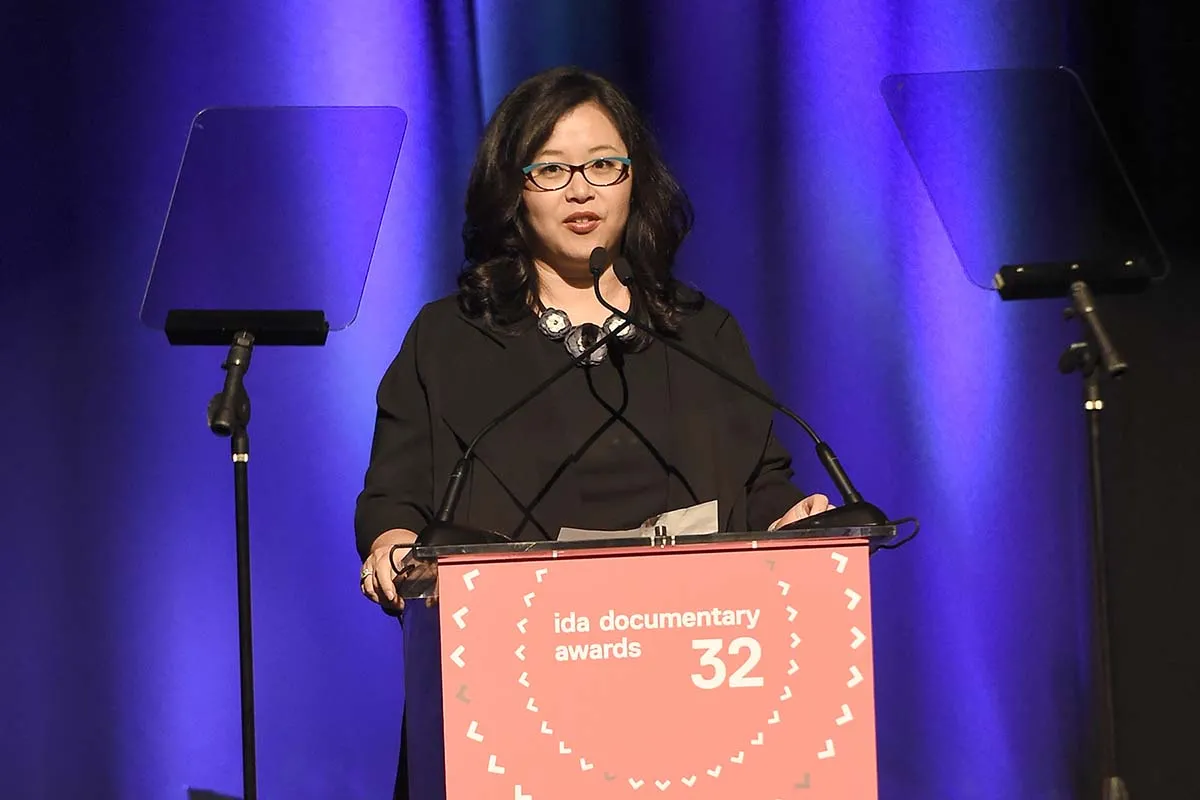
{"x": 1090, "y": 358}
{"x": 229, "y": 415}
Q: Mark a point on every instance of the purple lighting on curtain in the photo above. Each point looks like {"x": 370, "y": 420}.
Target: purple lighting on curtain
{"x": 817, "y": 232}
{"x": 960, "y": 692}
{"x": 176, "y": 626}
{"x": 960, "y": 350}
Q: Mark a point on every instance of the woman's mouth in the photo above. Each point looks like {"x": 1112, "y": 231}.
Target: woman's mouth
{"x": 582, "y": 223}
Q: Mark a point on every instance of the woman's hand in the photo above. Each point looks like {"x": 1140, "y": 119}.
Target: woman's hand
{"x": 378, "y": 578}
{"x": 809, "y": 506}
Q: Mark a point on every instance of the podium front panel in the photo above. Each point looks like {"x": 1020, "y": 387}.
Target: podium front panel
{"x": 695, "y": 672}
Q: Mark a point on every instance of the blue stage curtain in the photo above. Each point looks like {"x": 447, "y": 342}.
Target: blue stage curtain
{"x": 119, "y": 672}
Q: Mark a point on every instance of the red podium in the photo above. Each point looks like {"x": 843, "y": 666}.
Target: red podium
{"x": 724, "y": 666}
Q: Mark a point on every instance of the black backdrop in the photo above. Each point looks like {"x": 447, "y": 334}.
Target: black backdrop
{"x": 1141, "y": 59}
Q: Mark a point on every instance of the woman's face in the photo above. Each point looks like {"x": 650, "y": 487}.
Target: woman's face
{"x": 569, "y": 223}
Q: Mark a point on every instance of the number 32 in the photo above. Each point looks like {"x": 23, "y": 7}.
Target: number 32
{"x": 741, "y": 676}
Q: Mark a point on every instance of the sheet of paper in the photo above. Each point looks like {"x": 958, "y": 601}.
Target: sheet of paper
{"x": 694, "y": 520}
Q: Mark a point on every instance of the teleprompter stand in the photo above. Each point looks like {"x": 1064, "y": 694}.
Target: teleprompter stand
{"x": 229, "y": 416}
{"x": 271, "y": 230}
{"x": 1096, "y": 357}
{"x": 1038, "y": 206}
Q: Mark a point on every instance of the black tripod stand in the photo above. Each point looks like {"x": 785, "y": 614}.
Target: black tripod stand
{"x": 1094, "y": 358}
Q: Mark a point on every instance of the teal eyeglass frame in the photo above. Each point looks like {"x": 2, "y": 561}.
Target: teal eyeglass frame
{"x": 624, "y": 161}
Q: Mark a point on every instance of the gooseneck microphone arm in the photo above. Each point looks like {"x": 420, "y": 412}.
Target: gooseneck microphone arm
{"x": 462, "y": 469}
{"x": 854, "y": 511}
{"x": 413, "y": 580}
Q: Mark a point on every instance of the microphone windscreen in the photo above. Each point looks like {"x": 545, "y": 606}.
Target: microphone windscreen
{"x": 598, "y": 261}
{"x": 623, "y": 271}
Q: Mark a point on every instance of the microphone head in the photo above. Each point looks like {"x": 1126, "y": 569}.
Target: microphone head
{"x": 598, "y": 261}
{"x": 623, "y": 271}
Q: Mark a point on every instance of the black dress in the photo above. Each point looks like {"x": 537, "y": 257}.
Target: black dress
{"x": 535, "y": 472}
{"x": 618, "y": 412}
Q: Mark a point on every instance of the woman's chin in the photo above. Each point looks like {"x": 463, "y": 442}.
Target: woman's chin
{"x": 580, "y": 250}
{"x": 570, "y": 259}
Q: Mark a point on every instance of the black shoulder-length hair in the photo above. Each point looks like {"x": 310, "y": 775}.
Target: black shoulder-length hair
{"x": 498, "y": 281}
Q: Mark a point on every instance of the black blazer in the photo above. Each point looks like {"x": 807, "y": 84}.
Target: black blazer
{"x": 452, "y": 376}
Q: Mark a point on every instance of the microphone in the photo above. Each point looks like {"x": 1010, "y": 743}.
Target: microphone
{"x": 1084, "y": 306}
{"x": 442, "y": 530}
{"x": 854, "y": 511}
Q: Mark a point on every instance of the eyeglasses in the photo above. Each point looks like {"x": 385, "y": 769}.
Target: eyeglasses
{"x": 551, "y": 176}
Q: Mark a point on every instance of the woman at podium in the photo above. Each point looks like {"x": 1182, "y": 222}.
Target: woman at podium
{"x": 566, "y": 165}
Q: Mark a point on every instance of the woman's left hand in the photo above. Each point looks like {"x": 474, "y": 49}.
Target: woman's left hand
{"x": 809, "y": 506}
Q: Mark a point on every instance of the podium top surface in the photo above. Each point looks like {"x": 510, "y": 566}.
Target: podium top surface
{"x": 873, "y": 536}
